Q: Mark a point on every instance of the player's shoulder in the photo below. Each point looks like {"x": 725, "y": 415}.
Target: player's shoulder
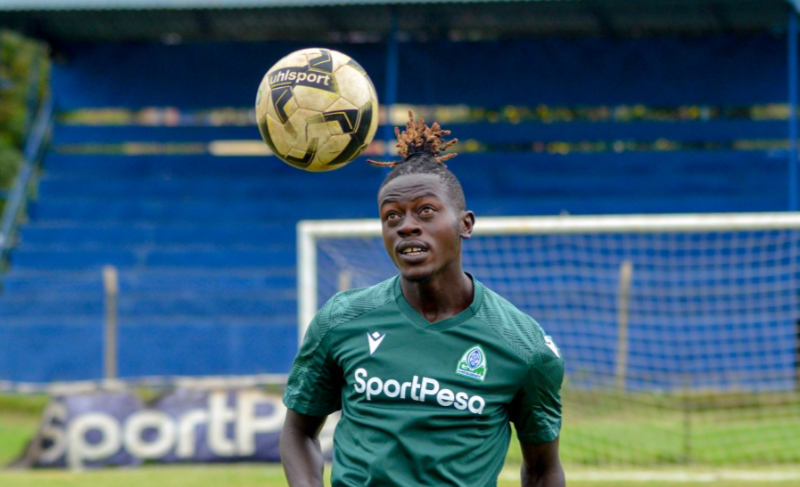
{"x": 348, "y": 305}
{"x": 518, "y": 329}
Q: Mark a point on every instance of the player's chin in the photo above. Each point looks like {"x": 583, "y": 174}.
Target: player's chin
{"x": 417, "y": 273}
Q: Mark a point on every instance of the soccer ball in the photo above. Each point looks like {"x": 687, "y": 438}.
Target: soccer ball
{"x": 317, "y": 109}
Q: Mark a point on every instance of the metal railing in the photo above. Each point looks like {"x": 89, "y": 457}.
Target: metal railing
{"x": 17, "y": 200}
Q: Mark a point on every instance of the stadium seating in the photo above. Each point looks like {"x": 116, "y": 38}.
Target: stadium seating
{"x": 205, "y": 248}
{"x": 205, "y": 245}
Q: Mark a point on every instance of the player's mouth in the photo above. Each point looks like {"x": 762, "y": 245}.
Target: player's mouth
{"x": 413, "y": 252}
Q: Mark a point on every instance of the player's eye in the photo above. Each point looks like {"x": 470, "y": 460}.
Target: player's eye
{"x": 392, "y": 215}
{"x": 427, "y": 210}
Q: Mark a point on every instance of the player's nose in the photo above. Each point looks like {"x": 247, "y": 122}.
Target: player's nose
{"x": 409, "y": 227}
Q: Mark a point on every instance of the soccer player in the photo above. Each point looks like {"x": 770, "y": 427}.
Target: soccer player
{"x": 428, "y": 367}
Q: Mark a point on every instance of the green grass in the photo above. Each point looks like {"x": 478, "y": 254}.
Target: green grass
{"x": 710, "y": 430}
{"x": 19, "y": 417}
{"x": 604, "y": 433}
{"x": 256, "y": 476}
{"x": 188, "y": 476}
{"x": 15, "y": 431}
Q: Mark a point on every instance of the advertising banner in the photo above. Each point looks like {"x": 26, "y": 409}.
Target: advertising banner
{"x": 185, "y": 426}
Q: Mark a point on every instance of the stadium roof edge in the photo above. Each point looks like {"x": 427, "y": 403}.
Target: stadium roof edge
{"x": 31, "y": 5}
{"x": 215, "y": 4}
{"x": 58, "y": 21}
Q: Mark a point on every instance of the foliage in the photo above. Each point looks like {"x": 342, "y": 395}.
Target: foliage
{"x": 10, "y": 160}
{"x": 24, "y": 69}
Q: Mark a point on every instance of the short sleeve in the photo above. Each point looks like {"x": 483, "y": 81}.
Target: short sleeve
{"x": 536, "y": 409}
{"x": 315, "y": 380}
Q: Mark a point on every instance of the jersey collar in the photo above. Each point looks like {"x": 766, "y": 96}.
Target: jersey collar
{"x": 420, "y": 321}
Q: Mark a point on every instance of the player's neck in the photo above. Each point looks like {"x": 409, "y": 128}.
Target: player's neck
{"x": 442, "y": 296}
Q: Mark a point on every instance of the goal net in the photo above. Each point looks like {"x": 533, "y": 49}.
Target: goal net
{"x": 679, "y": 332}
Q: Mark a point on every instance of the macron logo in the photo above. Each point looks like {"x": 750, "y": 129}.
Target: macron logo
{"x": 375, "y": 340}
{"x": 552, "y": 346}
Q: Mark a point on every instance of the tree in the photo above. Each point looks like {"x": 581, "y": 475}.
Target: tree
{"x": 24, "y": 70}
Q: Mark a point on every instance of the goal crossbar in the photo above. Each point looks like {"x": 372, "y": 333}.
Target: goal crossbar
{"x": 309, "y": 231}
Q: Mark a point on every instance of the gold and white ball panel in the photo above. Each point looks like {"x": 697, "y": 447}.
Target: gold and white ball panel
{"x": 353, "y": 86}
{"x": 317, "y": 109}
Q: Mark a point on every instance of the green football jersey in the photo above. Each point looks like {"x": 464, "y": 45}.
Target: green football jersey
{"x": 426, "y": 403}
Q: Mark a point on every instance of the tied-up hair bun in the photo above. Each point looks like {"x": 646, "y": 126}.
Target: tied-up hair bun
{"x": 419, "y": 139}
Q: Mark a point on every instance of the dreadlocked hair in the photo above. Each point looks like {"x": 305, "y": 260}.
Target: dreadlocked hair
{"x": 419, "y": 147}
{"x": 417, "y": 139}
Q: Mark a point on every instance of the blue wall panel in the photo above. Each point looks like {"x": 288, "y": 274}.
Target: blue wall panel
{"x": 191, "y": 75}
{"x": 51, "y": 352}
{"x": 211, "y": 348}
{"x": 664, "y": 71}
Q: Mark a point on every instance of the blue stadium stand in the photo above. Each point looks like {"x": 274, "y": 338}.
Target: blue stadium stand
{"x": 205, "y": 249}
{"x": 206, "y": 245}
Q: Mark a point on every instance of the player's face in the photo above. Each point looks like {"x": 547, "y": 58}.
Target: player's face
{"x": 422, "y": 227}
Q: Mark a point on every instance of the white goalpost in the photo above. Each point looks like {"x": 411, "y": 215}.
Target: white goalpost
{"x": 663, "y": 320}
{"x": 309, "y": 232}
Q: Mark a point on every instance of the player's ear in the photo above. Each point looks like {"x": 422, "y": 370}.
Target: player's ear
{"x": 467, "y": 223}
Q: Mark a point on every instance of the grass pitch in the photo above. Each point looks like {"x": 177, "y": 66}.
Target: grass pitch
{"x": 19, "y": 417}
{"x": 272, "y": 476}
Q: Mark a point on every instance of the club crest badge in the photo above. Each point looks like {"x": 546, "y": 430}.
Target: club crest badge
{"x": 473, "y": 364}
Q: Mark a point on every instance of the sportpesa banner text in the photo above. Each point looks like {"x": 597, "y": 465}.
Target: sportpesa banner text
{"x": 116, "y": 428}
